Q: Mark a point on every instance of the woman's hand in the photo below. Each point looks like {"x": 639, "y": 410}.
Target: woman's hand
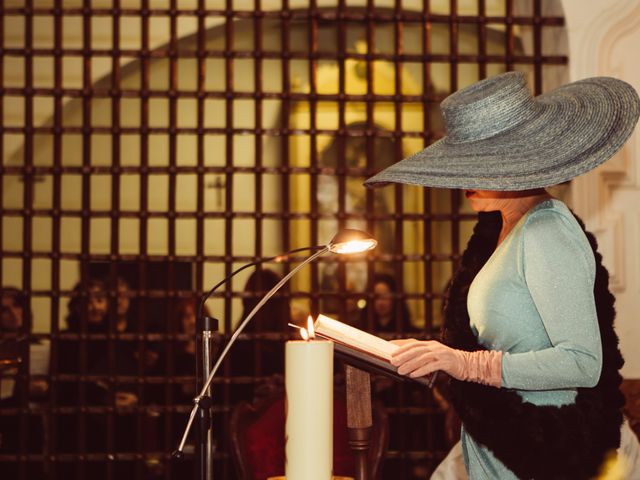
{"x": 403, "y": 341}
{"x": 419, "y": 358}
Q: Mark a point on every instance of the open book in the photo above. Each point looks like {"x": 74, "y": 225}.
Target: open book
{"x": 362, "y": 349}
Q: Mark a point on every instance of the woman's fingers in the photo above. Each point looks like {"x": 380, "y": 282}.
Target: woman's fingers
{"x": 398, "y": 359}
{"x": 406, "y": 346}
{"x": 410, "y": 350}
{"x": 403, "y": 341}
{"x": 426, "y": 369}
{"x": 413, "y": 343}
{"x": 420, "y": 358}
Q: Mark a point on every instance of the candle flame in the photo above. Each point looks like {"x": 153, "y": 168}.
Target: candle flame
{"x": 308, "y": 333}
{"x": 304, "y": 334}
{"x": 310, "y": 330}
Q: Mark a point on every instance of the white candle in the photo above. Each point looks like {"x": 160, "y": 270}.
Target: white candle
{"x": 309, "y": 415}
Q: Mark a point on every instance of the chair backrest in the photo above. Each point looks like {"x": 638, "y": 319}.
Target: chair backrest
{"x": 257, "y": 438}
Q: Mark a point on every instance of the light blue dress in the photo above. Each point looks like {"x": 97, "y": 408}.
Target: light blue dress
{"x": 533, "y": 300}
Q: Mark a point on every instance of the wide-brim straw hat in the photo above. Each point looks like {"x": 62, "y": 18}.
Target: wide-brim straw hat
{"x": 501, "y": 137}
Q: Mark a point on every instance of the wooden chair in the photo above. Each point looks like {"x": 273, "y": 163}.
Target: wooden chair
{"x": 257, "y": 438}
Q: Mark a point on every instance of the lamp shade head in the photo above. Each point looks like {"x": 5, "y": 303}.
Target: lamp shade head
{"x": 350, "y": 240}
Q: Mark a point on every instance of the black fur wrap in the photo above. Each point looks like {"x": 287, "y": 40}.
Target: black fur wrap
{"x": 540, "y": 442}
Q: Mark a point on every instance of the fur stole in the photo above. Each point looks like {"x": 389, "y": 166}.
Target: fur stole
{"x": 540, "y": 442}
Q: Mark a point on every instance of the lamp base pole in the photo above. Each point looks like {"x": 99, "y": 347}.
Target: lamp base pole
{"x": 206, "y": 331}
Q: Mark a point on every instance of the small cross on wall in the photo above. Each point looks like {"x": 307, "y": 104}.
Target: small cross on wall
{"x": 218, "y": 185}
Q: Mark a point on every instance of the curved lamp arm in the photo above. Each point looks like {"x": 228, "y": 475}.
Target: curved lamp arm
{"x": 346, "y": 241}
{"x": 277, "y": 258}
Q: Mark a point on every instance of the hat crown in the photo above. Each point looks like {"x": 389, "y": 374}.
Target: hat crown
{"x": 488, "y": 108}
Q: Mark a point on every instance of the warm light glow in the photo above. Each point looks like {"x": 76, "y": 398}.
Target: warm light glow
{"x": 310, "y": 330}
{"x": 308, "y": 333}
{"x": 350, "y": 240}
{"x": 353, "y": 246}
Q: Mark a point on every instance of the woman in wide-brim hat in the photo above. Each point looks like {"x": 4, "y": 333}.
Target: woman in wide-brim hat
{"x": 528, "y": 339}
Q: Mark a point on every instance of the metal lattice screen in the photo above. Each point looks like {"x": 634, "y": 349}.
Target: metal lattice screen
{"x": 151, "y": 147}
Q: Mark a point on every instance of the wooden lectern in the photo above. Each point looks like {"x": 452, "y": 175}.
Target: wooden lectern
{"x": 359, "y": 421}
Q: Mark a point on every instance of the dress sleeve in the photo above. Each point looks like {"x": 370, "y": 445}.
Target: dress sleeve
{"x": 558, "y": 267}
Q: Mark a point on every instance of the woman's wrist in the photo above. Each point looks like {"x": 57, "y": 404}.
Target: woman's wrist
{"x": 482, "y": 366}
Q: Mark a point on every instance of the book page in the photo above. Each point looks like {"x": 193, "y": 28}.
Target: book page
{"x": 359, "y": 339}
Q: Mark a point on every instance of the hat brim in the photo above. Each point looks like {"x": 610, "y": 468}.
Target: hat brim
{"x": 576, "y": 128}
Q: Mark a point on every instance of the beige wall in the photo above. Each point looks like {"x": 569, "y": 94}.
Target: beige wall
{"x": 599, "y": 41}
{"x": 244, "y": 148}
{"x": 603, "y": 40}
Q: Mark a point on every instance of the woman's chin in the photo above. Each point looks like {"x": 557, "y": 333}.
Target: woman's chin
{"x": 475, "y": 207}
{"x": 481, "y": 205}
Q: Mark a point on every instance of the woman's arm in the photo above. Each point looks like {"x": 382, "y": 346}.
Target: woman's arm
{"x": 559, "y": 270}
{"x": 558, "y": 266}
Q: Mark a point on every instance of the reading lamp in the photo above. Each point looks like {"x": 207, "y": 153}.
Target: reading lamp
{"x": 346, "y": 241}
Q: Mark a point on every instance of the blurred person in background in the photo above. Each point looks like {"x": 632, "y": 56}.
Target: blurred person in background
{"x": 388, "y": 312}
{"x": 20, "y": 358}
{"x": 98, "y": 360}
